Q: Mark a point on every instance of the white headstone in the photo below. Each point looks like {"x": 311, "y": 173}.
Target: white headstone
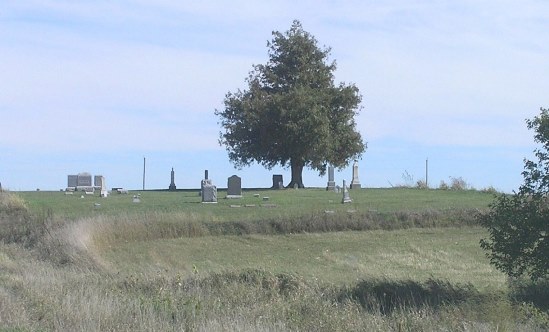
{"x": 209, "y": 194}
{"x": 346, "y": 197}
{"x": 355, "y": 183}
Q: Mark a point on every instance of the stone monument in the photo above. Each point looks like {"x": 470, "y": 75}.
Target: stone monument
{"x": 208, "y": 191}
{"x": 278, "y": 182}
{"x": 72, "y": 181}
{"x": 84, "y": 182}
{"x": 99, "y": 183}
{"x": 331, "y": 183}
{"x": 346, "y": 197}
{"x": 355, "y": 183}
{"x": 172, "y": 182}
{"x": 234, "y": 187}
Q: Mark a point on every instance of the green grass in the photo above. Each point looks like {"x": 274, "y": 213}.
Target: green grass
{"x": 287, "y": 202}
{"x": 451, "y": 254}
{"x": 393, "y": 260}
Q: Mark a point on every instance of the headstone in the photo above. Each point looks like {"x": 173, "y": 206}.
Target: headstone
{"x": 331, "y": 183}
{"x": 355, "y": 184}
{"x": 277, "y": 180}
{"x": 72, "y": 181}
{"x": 209, "y": 193}
{"x": 296, "y": 186}
{"x": 99, "y": 181}
{"x": 234, "y": 187}
{"x": 136, "y": 199}
{"x": 172, "y": 186}
{"x": 346, "y": 197}
{"x": 84, "y": 180}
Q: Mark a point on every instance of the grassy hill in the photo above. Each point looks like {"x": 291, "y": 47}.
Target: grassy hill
{"x": 394, "y": 259}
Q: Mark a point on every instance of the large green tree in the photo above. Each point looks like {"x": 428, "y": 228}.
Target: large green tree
{"x": 518, "y": 224}
{"x": 292, "y": 114}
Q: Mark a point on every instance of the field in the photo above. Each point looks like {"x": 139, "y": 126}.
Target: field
{"x": 394, "y": 259}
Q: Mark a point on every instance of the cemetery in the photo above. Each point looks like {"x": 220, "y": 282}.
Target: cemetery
{"x": 299, "y": 235}
{"x": 337, "y": 250}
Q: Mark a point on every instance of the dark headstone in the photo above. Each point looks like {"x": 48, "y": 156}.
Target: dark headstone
{"x": 72, "y": 181}
{"x": 277, "y": 180}
{"x": 234, "y": 187}
{"x": 331, "y": 183}
{"x": 84, "y": 180}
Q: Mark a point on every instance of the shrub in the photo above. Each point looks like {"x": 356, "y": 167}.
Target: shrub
{"x": 16, "y": 223}
{"x": 443, "y": 185}
{"x": 421, "y": 184}
{"x": 458, "y": 183}
{"x": 518, "y": 241}
{"x": 528, "y": 291}
{"x": 12, "y": 204}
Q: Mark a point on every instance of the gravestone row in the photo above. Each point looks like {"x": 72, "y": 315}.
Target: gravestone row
{"x": 83, "y": 182}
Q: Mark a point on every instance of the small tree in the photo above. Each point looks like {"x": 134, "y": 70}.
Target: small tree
{"x": 518, "y": 224}
{"x": 292, "y": 113}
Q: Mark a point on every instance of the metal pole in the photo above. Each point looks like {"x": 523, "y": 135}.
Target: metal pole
{"x": 427, "y": 173}
{"x": 144, "y": 173}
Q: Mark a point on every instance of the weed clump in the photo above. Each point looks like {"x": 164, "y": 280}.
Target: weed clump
{"x": 16, "y": 222}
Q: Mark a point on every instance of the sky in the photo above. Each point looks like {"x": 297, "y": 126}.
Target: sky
{"x": 107, "y": 87}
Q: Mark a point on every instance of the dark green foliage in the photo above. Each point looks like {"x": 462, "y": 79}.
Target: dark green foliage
{"x": 519, "y": 224}
{"x": 292, "y": 113}
{"x": 528, "y": 291}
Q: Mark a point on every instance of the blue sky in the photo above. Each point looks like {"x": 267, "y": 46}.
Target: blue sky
{"x": 96, "y": 86}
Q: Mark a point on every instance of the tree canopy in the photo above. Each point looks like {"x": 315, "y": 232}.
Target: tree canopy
{"x": 292, "y": 113}
{"x": 518, "y": 224}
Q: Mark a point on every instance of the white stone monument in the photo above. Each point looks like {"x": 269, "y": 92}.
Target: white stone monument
{"x": 355, "y": 183}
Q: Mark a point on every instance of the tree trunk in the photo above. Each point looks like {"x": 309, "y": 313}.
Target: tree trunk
{"x": 297, "y": 170}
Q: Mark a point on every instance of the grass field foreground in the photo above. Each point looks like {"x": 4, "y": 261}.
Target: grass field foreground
{"x": 165, "y": 264}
